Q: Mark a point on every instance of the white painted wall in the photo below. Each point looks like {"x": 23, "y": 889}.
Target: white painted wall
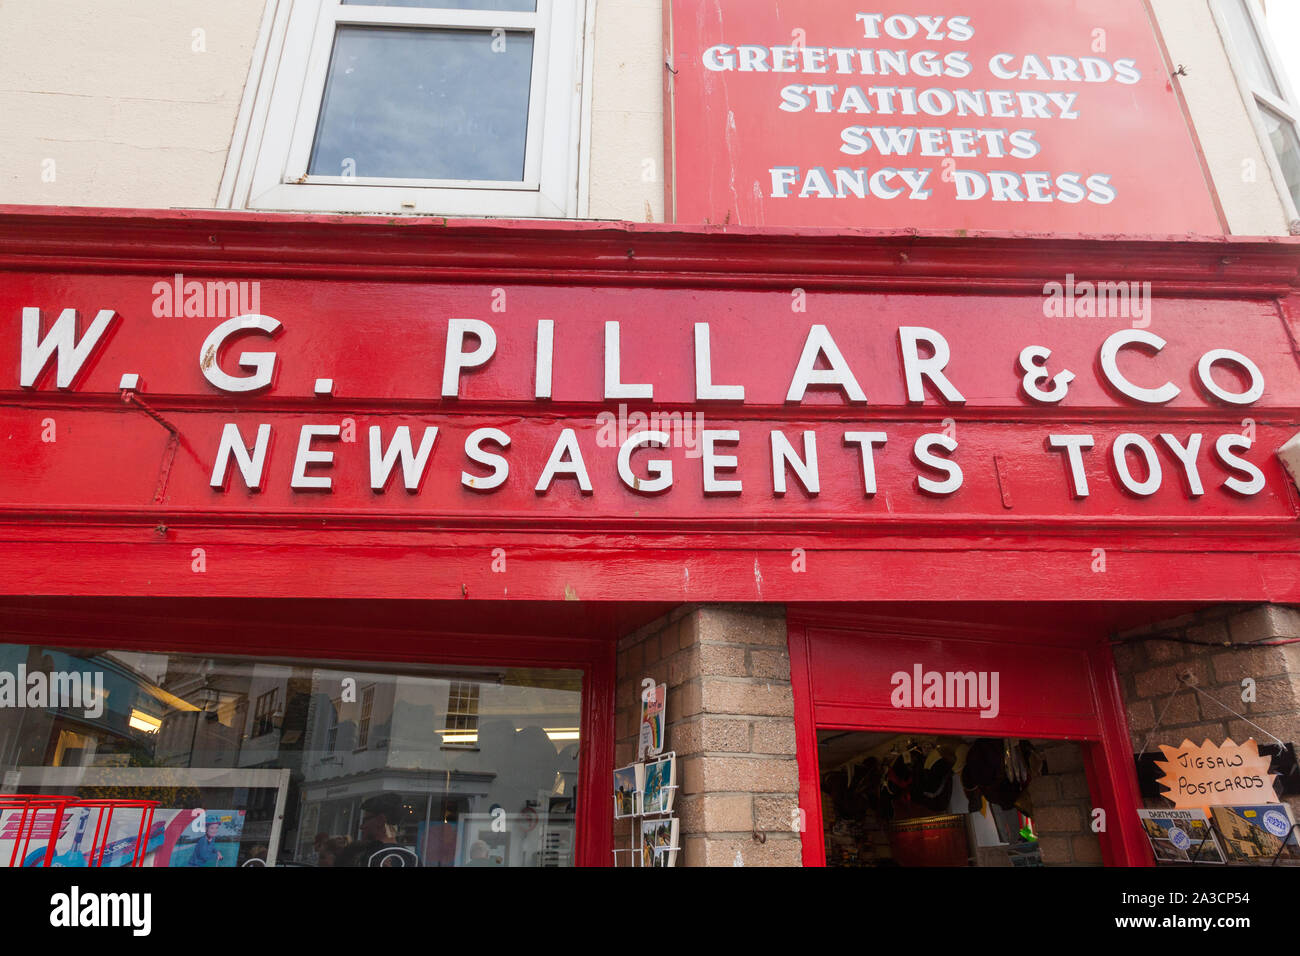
{"x": 1232, "y": 150}
{"x": 627, "y": 113}
{"x": 107, "y": 102}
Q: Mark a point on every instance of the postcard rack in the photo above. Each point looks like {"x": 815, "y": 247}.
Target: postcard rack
{"x": 58, "y": 807}
{"x": 1223, "y": 840}
{"x": 637, "y": 817}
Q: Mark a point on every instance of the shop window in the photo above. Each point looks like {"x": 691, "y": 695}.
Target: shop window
{"x": 173, "y": 734}
{"x": 1272, "y": 100}
{"x": 72, "y": 749}
{"x": 455, "y": 107}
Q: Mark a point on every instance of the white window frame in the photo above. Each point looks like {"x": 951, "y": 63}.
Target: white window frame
{"x": 462, "y": 693}
{"x": 267, "y": 164}
{"x": 365, "y": 717}
{"x": 1288, "y": 108}
{"x": 264, "y": 715}
{"x": 332, "y": 725}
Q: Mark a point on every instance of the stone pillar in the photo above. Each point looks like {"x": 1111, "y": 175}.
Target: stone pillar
{"x": 1063, "y": 809}
{"x": 1213, "y": 647}
{"x": 730, "y": 719}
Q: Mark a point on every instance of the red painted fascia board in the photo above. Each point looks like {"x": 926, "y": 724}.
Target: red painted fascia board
{"x": 558, "y": 251}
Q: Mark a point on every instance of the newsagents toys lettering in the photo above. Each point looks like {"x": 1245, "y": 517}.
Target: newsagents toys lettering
{"x": 796, "y": 365}
{"x": 359, "y": 320}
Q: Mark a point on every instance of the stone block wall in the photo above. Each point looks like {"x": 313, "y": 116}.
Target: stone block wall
{"x": 1063, "y": 809}
{"x": 730, "y": 719}
{"x": 1213, "y": 647}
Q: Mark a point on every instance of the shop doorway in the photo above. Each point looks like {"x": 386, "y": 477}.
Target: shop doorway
{"x": 890, "y": 711}
{"x": 916, "y": 799}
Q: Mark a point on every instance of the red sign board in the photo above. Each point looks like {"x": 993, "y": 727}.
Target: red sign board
{"x": 988, "y": 115}
{"x": 465, "y": 402}
{"x": 594, "y": 412}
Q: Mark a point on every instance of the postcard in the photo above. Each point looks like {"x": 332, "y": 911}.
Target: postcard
{"x": 1255, "y": 834}
{"x": 660, "y": 779}
{"x": 628, "y": 782}
{"x": 1181, "y": 836}
{"x": 659, "y": 842}
{"x": 650, "y": 740}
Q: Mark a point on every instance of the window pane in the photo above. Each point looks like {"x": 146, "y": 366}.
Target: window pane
{"x": 1282, "y": 134}
{"x": 1246, "y": 45}
{"x": 462, "y": 766}
{"x": 425, "y": 104}
{"x": 526, "y": 6}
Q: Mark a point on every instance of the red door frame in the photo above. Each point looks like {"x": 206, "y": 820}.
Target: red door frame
{"x": 1102, "y": 735}
{"x": 325, "y": 643}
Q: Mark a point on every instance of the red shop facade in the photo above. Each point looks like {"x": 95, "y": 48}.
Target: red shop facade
{"x": 330, "y": 502}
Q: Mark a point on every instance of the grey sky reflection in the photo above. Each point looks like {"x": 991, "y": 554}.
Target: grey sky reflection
{"x": 425, "y": 104}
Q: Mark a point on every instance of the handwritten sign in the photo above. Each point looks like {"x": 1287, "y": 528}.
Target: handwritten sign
{"x": 1216, "y": 775}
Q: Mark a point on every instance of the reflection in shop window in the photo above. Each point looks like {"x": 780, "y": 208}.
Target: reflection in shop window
{"x": 264, "y": 713}
{"x": 332, "y": 735}
{"x": 367, "y": 708}
{"x": 261, "y": 751}
{"x": 462, "y": 715}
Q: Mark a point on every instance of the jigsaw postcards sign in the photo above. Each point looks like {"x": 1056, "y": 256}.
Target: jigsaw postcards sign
{"x": 995, "y": 115}
{"x": 1209, "y": 775}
